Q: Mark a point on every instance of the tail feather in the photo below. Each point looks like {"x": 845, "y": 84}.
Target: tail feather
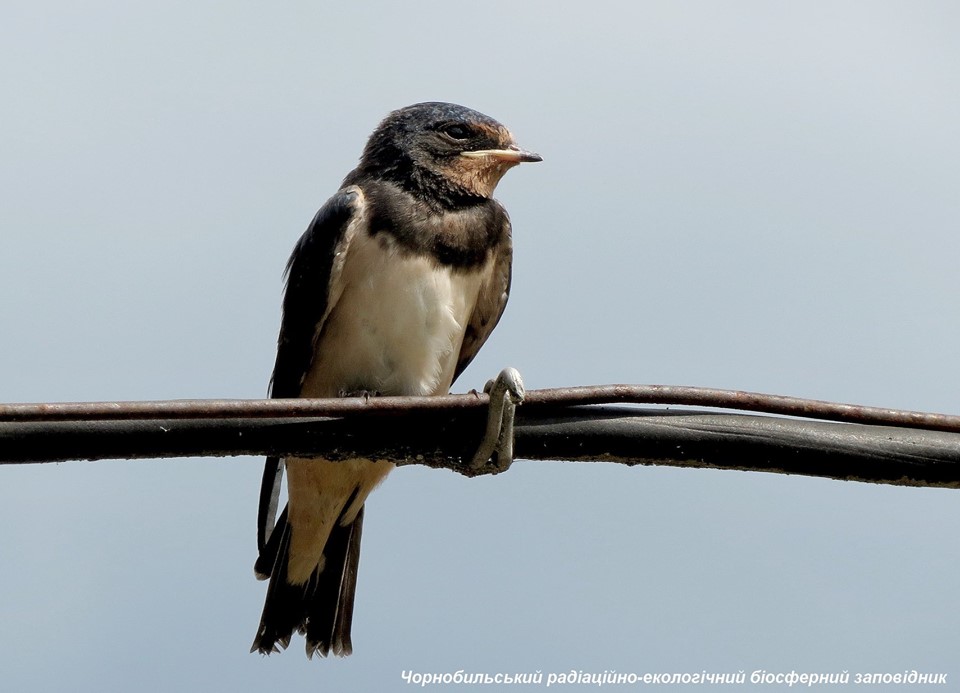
{"x": 281, "y": 607}
{"x": 329, "y": 619}
{"x": 267, "y": 560}
{"x": 321, "y": 609}
{"x": 348, "y": 588}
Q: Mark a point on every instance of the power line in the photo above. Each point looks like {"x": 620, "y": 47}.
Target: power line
{"x": 922, "y": 449}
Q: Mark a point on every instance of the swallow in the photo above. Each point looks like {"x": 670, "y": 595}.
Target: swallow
{"x": 395, "y": 285}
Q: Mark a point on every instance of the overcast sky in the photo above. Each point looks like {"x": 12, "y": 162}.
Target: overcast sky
{"x": 752, "y": 195}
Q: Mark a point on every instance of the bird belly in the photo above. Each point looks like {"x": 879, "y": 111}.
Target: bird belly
{"x": 396, "y": 329}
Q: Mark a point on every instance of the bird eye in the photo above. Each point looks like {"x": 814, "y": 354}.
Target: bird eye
{"x": 457, "y": 132}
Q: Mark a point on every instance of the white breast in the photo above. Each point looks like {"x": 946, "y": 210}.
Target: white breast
{"x": 397, "y": 326}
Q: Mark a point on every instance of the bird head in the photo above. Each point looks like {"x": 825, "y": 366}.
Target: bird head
{"x": 442, "y": 151}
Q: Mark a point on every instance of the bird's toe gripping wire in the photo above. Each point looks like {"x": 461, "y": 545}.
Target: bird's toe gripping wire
{"x": 506, "y": 392}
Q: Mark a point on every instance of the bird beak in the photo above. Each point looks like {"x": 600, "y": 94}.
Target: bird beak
{"x": 511, "y": 155}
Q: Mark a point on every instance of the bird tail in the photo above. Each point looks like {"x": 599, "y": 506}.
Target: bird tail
{"x": 320, "y": 609}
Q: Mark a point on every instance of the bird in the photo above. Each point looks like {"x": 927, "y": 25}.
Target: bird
{"x": 393, "y": 288}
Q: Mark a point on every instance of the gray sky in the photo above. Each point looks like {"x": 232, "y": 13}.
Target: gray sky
{"x": 751, "y": 195}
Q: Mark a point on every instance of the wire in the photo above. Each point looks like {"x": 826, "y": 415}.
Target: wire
{"x": 554, "y": 397}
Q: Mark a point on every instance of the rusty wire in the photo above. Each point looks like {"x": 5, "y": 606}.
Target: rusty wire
{"x": 869, "y": 444}
{"x": 551, "y": 397}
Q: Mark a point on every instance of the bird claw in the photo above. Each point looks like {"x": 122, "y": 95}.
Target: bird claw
{"x": 366, "y": 394}
{"x": 506, "y": 392}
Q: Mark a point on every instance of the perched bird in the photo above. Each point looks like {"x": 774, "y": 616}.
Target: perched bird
{"x": 393, "y": 288}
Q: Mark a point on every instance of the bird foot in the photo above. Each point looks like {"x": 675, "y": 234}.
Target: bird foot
{"x": 366, "y": 394}
{"x": 506, "y": 392}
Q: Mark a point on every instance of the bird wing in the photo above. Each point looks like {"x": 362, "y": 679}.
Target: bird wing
{"x": 491, "y": 301}
{"x": 313, "y": 289}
